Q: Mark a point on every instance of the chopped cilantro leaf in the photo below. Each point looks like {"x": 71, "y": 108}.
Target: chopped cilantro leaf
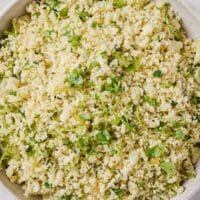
{"x": 64, "y": 12}
{"x": 48, "y": 185}
{"x": 94, "y": 24}
{"x": 66, "y": 142}
{"x": 30, "y": 150}
{"x": 104, "y": 137}
{"x": 74, "y": 40}
{"x": 4, "y": 156}
{"x": 85, "y": 145}
{"x": 115, "y": 85}
{"x": 75, "y": 79}
{"x": 178, "y": 35}
{"x": 116, "y": 121}
{"x": 53, "y": 5}
{"x": 150, "y": 101}
{"x": 119, "y": 3}
{"x": 156, "y": 151}
{"x": 168, "y": 167}
{"x": 173, "y": 103}
{"x": 177, "y": 124}
{"x": 118, "y": 191}
{"x": 83, "y": 15}
{"x": 66, "y": 197}
{"x": 157, "y": 73}
{"x": 140, "y": 184}
{"x": 179, "y": 134}
{"x": 133, "y": 65}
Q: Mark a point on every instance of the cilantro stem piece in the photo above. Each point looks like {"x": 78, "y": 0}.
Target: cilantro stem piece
{"x": 150, "y": 101}
{"x": 4, "y": 156}
{"x": 15, "y": 28}
{"x": 137, "y": 115}
{"x": 127, "y": 124}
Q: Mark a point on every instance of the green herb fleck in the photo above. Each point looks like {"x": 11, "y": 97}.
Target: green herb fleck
{"x": 74, "y": 40}
{"x": 168, "y": 167}
{"x": 127, "y": 124}
{"x": 66, "y": 142}
{"x": 95, "y": 24}
{"x": 84, "y": 116}
{"x": 114, "y": 23}
{"x": 75, "y": 79}
{"x": 162, "y": 128}
{"x": 83, "y": 15}
{"x": 12, "y": 93}
{"x": 66, "y": 197}
{"x": 119, "y": 3}
{"x": 64, "y": 12}
{"x": 116, "y": 121}
{"x": 93, "y": 65}
{"x": 15, "y": 28}
{"x": 195, "y": 100}
{"x": 2, "y": 75}
{"x": 179, "y": 134}
{"x": 30, "y": 150}
{"x": 156, "y": 151}
{"x": 86, "y": 146}
{"x": 133, "y": 65}
{"x": 157, "y": 73}
{"x": 138, "y": 115}
{"x": 104, "y": 137}
{"x": 115, "y": 85}
{"x": 48, "y": 185}
{"x": 150, "y": 101}
{"x": 140, "y": 184}
{"x": 118, "y": 191}
{"x": 4, "y": 156}
{"x": 173, "y": 103}
{"x": 198, "y": 118}
{"x": 177, "y": 124}
{"x": 66, "y": 31}
{"x": 53, "y": 5}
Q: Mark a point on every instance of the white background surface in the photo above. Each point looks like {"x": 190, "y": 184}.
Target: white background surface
{"x": 193, "y": 5}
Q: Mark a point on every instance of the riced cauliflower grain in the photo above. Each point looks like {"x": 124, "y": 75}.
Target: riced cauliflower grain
{"x": 99, "y": 100}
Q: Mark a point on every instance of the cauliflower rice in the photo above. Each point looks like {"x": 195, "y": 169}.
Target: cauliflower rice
{"x": 99, "y": 100}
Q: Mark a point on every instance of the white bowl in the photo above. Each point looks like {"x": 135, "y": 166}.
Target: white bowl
{"x": 191, "y": 22}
